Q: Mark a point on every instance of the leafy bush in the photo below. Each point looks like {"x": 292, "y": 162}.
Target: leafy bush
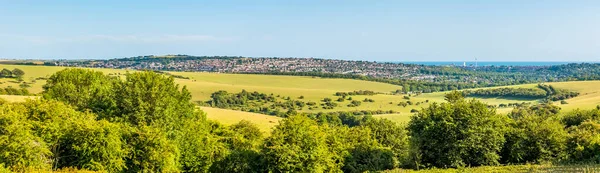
{"x": 298, "y": 144}
{"x": 576, "y": 117}
{"x": 365, "y": 158}
{"x": 457, "y": 133}
{"x": 391, "y": 135}
{"x": 584, "y": 142}
{"x": 534, "y": 137}
{"x": 20, "y": 149}
{"x": 92, "y": 145}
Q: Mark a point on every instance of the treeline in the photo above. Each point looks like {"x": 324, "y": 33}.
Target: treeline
{"x": 554, "y": 94}
{"x": 269, "y": 104}
{"x": 543, "y": 91}
{"x": 528, "y": 134}
{"x": 505, "y": 105}
{"x": 352, "y": 93}
{"x": 14, "y": 91}
{"x": 256, "y": 102}
{"x": 528, "y": 93}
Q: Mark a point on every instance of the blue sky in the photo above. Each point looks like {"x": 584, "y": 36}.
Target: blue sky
{"x": 503, "y": 30}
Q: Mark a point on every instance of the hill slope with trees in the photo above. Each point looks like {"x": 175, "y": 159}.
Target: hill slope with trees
{"x": 146, "y": 123}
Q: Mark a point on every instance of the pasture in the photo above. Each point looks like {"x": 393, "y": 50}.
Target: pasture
{"x": 228, "y": 117}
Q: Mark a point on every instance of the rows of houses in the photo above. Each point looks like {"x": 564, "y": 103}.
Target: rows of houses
{"x": 258, "y": 65}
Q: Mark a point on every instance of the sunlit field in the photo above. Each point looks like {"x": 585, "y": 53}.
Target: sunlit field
{"x": 203, "y": 84}
{"x": 228, "y": 117}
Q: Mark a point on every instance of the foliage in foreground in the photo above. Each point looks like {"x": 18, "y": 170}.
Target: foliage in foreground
{"x": 527, "y": 168}
{"x": 146, "y": 123}
{"x": 457, "y": 133}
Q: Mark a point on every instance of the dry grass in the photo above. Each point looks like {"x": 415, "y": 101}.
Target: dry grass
{"x": 228, "y": 117}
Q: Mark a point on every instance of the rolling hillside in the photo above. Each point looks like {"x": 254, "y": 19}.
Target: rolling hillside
{"x": 202, "y": 85}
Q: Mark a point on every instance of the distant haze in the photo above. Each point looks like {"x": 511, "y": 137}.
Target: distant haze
{"x": 386, "y": 30}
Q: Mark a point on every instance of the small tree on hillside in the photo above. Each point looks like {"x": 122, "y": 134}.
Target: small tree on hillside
{"x": 454, "y": 96}
{"x": 5, "y": 73}
{"x": 18, "y": 73}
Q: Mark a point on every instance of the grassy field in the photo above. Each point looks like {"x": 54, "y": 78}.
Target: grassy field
{"x": 402, "y": 118}
{"x": 201, "y": 85}
{"x": 12, "y": 98}
{"x": 589, "y": 94}
{"x": 313, "y": 89}
{"x": 33, "y": 72}
{"x": 228, "y": 117}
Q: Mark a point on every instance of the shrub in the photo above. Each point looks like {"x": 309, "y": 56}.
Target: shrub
{"x": 456, "y": 134}
{"x": 365, "y": 158}
{"x": 20, "y": 149}
{"x": 389, "y": 134}
{"x": 534, "y": 138}
{"x": 298, "y": 144}
{"x": 584, "y": 142}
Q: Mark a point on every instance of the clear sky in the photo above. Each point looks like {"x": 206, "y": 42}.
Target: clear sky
{"x": 395, "y": 30}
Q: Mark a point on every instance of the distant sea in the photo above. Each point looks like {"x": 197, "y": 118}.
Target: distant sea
{"x": 488, "y": 63}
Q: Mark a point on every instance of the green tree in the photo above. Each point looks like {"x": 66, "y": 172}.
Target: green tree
{"x": 243, "y": 140}
{"x": 18, "y": 73}
{"x": 544, "y": 110}
{"x": 199, "y": 148}
{"x": 162, "y": 129}
{"x": 24, "y": 86}
{"x": 20, "y": 149}
{"x": 76, "y": 139}
{"x": 534, "y": 137}
{"x": 92, "y": 145}
{"x": 583, "y": 144}
{"x": 298, "y": 144}
{"x": 577, "y": 116}
{"x": 249, "y": 132}
{"x": 457, "y": 133}
{"x": 151, "y": 151}
{"x": 342, "y": 140}
{"x": 389, "y": 134}
{"x": 454, "y": 96}
{"x": 148, "y": 98}
{"x": 240, "y": 161}
{"x": 6, "y": 73}
{"x": 365, "y": 158}
{"x": 83, "y": 89}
